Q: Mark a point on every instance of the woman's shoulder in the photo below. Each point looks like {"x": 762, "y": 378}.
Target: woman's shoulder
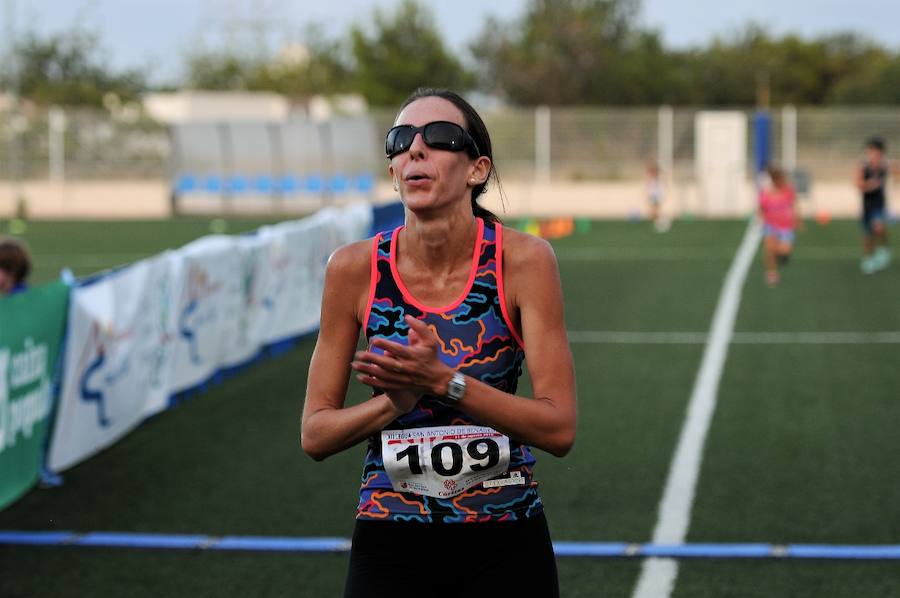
{"x": 352, "y": 259}
{"x": 522, "y": 249}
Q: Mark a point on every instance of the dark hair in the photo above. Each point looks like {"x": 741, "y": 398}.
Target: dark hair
{"x": 476, "y": 128}
{"x": 778, "y": 176}
{"x": 876, "y": 143}
{"x": 14, "y": 258}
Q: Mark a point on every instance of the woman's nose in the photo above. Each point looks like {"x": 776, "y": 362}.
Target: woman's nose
{"x": 418, "y": 145}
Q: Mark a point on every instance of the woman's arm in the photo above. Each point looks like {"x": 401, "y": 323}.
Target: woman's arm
{"x": 327, "y": 426}
{"x": 546, "y": 421}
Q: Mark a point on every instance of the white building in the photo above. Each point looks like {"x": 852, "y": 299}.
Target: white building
{"x": 200, "y": 106}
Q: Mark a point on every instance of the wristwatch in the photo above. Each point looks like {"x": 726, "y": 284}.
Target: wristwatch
{"x": 456, "y": 388}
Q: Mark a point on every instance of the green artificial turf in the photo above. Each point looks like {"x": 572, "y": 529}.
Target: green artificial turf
{"x": 802, "y": 448}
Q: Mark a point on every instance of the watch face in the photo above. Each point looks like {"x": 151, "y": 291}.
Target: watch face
{"x": 456, "y": 388}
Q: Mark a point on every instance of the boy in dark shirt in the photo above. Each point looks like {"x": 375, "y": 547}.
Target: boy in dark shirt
{"x": 871, "y": 180}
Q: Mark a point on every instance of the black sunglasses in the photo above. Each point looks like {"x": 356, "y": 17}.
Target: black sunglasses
{"x": 439, "y": 134}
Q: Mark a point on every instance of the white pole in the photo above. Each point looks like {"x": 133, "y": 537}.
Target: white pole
{"x": 789, "y": 138}
{"x": 57, "y": 133}
{"x": 542, "y": 155}
{"x": 13, "y": 116}
{"x": 665, "y": 149}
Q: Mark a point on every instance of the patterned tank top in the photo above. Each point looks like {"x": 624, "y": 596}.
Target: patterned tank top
{"x": 477, "y": 338}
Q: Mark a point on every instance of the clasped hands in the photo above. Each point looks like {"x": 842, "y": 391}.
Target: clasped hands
{"x": 404, "y": 372}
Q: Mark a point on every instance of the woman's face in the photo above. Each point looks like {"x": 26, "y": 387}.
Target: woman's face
{"x": 428, "y": 177}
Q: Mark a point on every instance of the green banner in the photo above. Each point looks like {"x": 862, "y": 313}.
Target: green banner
{"x": 31, "y": 329}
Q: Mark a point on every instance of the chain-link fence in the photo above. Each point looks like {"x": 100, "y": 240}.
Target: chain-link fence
{"x": 573, "y": 144}
{"x": 590, "y": 143}
{"x": 82, "y": 144}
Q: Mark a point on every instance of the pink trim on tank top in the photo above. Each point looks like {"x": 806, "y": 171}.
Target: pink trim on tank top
{"x": 373, "y": 279}
{"x": 498, "y": 228}
{"x": 408, "y": 297}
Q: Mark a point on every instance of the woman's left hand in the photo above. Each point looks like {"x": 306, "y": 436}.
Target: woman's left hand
{"x": 415, "y": 367}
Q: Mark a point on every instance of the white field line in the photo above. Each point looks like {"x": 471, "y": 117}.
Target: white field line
{"x": 658, "y": 576}
{"x": 614, "y": 337}
{"x": 816, "y": 338}
{"x": 838, "y": 252}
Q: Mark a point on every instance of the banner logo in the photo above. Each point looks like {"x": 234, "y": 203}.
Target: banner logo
{"x": 91, "y": 383}
{"x": 192, "y": 318}
{"x": 19, "y": 414}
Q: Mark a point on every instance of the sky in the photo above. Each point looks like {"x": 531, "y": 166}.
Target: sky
{"x": 159, "y": 33}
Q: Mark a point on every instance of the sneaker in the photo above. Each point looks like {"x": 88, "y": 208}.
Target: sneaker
{"x": 881, "y": 258}
{"x": 867, "y": 265}
{"x": 772, "y": 278}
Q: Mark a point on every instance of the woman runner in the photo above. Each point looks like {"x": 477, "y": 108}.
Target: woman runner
{"x": 449, "y": 302}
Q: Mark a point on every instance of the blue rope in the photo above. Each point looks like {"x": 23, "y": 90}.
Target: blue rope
{"x": 562, "y": 549}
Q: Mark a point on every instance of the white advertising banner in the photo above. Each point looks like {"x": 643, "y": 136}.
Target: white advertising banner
{"x": 209, "y": 280}
{"x": 167, "y": 324}
{"x": 118, "y": 356}
{"x": 297, "y": 254}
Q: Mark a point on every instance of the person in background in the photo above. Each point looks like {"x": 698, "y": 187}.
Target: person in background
{"x": 871, "y": 180}
{"x": 778, "y": 208}
{"x": 15, "y": 266}
{"x": 655, "y": 192}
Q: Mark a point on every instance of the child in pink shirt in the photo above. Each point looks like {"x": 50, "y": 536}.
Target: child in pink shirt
{"x": 778, "y": 207}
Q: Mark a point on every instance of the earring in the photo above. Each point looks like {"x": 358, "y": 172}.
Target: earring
{"x": 396, "y": 185}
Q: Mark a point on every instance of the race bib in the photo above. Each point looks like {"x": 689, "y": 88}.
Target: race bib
{"x": 443, "y": 461}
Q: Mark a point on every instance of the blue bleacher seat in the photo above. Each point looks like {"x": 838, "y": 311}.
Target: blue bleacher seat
{"x": 186, "y": 183}
{"x": 338, "y": 183}
{"x": 314, "y": 184}
{"x": 287, "y": 184}
{"x": 213, "y": 184}
{"x": 237, "y": 184}
{"x": 263, "y": 183}
{"x": 365, "y": 183}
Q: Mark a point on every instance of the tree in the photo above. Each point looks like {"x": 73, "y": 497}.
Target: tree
{"x": 317, "y": 66}
{"x": 733, "y": 68}
{"x": 860, "y": 72}
{"x": 66, "y": 69}
{"x": 840, "y": 68}
{"x": 403, "y": 52}
{"x": 302, "y": 69}
{"x": 565, "y": 52}
{"x": 562, "y": 52}
{"x": 216, "y": 71}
